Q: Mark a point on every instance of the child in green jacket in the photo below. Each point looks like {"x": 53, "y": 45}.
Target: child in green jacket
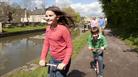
{"x": 97, "y": 42}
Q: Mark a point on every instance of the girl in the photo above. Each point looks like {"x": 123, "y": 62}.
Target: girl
{"x": 58, "y": 41}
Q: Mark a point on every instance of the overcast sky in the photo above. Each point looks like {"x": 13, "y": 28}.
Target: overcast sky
{"x": 84, "y": 7}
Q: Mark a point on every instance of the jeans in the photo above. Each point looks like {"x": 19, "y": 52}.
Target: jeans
{"x": 100, "y": 61}
{"x": 54, "y": 72}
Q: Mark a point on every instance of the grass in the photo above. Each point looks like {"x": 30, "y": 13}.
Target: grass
{"x": 132, "y": 42}
{"x": 78, "y": 43}
{"x": 25, "y": 28}
{"x": 39, "y": 72}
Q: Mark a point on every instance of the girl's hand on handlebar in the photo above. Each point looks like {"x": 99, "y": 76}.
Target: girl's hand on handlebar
{"x": 61, "y": 66}
{"x": 42, "y": 63}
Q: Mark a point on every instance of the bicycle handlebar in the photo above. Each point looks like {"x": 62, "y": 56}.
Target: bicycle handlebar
{"x": 98, "y": 50}
{"x": 53, "y": 65}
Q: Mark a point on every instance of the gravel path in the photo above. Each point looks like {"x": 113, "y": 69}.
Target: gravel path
{"x": 118, "y": 59}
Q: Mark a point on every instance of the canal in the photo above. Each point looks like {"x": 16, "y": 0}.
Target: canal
{"x": 16, "y": 51}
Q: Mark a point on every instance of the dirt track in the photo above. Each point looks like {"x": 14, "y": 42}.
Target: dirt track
{"x": 118, "y": 62}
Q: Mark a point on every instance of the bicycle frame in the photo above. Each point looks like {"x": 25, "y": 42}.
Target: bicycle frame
{"x": 97, "y": 62}
{"x": 97, "y": 65}
{"x": 52, "y": 66}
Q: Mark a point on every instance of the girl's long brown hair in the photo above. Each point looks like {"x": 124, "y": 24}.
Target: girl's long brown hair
{"x": 64, "y": 19}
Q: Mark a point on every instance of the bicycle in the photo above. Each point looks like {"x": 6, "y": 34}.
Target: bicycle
{"x": 96, "y": 64}
{"x": 54, "y": 69}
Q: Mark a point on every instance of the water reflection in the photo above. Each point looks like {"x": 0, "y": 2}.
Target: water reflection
{"x": 15, "y": 51}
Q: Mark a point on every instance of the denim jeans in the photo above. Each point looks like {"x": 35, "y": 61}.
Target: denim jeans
{"x": 54, "y": 72}
{"x": 100, "y": 61}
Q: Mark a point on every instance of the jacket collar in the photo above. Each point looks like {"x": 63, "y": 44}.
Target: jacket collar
{"x": 100, "y": 35}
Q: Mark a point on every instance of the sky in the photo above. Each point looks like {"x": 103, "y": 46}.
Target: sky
{"x": 84, "y": 7}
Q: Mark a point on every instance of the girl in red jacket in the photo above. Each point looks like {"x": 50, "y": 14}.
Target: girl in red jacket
{"x": 57, "y": 41}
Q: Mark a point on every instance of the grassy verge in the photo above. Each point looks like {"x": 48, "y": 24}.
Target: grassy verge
{"x": 78, "y": 43}
{"x": 25, "y": 28}
{"x": 39, "y": 72}
{"x": 133, "y": 43}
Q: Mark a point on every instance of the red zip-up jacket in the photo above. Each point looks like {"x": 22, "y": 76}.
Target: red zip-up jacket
{"x": 59, "y": 42}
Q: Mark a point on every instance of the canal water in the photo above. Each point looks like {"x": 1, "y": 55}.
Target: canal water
{"x": 16, "y": 51}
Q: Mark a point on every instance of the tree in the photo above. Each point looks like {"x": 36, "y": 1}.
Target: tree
{"x": 10, "y": 17}
{"x": 122, "y": 16}
{"x": 73, "y": 13}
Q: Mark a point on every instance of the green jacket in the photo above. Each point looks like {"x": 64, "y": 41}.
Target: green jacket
{"x": 101, "y": 42}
